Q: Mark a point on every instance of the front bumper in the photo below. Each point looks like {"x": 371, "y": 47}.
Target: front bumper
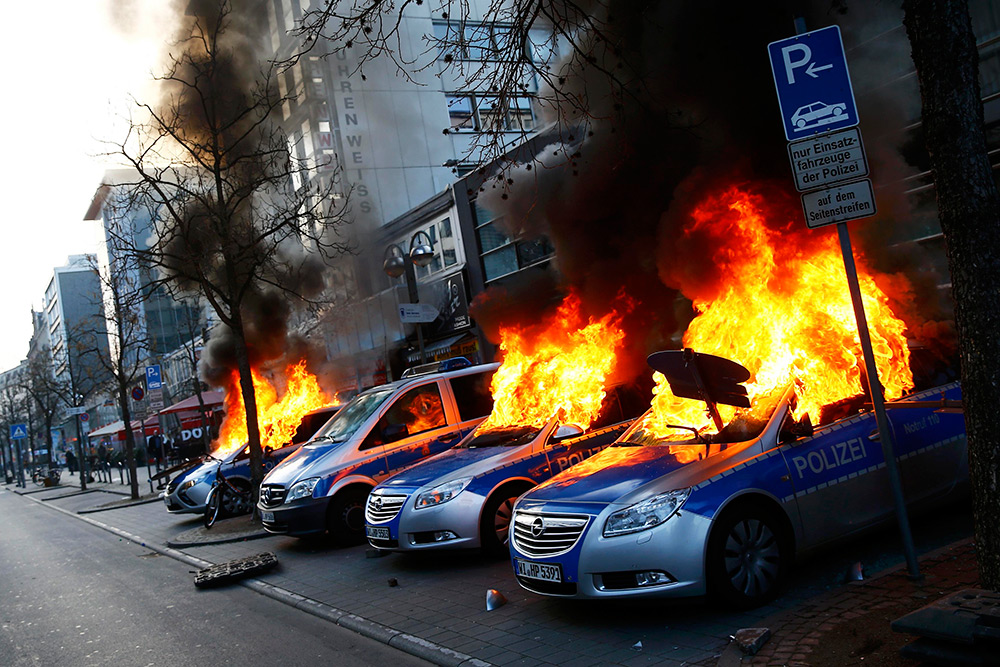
{"x": 305, "y": 516}
{"x": 450, "y": 525}
{"x": 187, "y": 501}
{"x": 607, "y": 567}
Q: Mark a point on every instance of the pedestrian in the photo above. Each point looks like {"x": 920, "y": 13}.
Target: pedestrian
{"x": 70, "y": 461}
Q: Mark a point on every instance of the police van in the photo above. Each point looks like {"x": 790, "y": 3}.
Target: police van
{"x": 381, "y": 431}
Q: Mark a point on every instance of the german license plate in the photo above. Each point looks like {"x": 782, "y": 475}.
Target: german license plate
{"x": 267, "y": 516}
{"x": 377, "y": 532}
{"x": 540, "y": 571}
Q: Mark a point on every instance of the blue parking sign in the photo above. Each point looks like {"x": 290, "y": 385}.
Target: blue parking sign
{"x": 813, "y": 84}
{"x": 153, "y": 377}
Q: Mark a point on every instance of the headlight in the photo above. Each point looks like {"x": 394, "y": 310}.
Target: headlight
{"x": 303, "y": 489}
{"x": 645, "y": 514}
{"x": 442, "y": 493}
{"x": 195, "y": 481}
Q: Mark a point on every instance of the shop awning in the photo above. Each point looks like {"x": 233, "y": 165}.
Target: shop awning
{"x": 210, "y": 398}
{"x": 109, "y": 430}
{"x": 116, "y": 430}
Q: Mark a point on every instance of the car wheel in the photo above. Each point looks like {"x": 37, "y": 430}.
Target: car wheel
{"x": 837, "y": 111}
{"x": 495, "y": 522}
{"x": 800, "y": 123}
{"x": 749, "y": 553}
{"x": 234, "y": 504}
{"x": 345, "y": 520}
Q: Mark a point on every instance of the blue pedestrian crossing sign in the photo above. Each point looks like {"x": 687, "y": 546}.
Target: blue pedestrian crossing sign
{"x": 813, "y": 84}
{"x": 18, "y": 431}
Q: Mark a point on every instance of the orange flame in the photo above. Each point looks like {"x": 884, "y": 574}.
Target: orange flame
{"x": 785, "y": 313}
{"x": 277, "y": 417}
{"x": 557, "y": 369}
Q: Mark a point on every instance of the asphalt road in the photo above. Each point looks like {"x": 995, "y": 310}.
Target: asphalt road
{"x": 71, "y": 594}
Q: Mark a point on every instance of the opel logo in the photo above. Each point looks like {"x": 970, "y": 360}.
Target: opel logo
{"x": 378, "y": 502}
{"x": 537, "y": 527}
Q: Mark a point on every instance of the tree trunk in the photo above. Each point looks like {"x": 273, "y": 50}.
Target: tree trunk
{"x": 946, "y": 59}
{"x": 129, "y": 441}
{"x": 250, "y": 404}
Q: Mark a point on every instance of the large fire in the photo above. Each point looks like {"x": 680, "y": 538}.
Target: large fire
{"x": 558, "y": 368}
{"x": 784, "y": 312}
{"x": 277, "y": 417}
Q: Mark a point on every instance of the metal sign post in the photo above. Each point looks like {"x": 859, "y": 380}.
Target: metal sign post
{"x": 19, "y": 432}
{"x": 815, "y": 95}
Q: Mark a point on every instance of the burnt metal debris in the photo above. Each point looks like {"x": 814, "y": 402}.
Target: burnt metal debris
{"x": 230, "y": 571}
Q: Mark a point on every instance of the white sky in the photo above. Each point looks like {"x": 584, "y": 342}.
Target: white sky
{"x": 66, "y": 80}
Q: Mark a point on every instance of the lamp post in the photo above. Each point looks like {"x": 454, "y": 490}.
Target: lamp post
{"x": 396, "y": 263}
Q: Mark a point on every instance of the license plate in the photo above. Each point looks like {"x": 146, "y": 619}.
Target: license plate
{"x": 267, "y": 516}
{"x": 540, "y": 571}
{"x": 377, "y": 532}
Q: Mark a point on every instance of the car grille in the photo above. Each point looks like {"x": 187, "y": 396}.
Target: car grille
{"x": 272, "y": 495}
{"x": 547, "y": 534}
{"x": 381, "y": 508}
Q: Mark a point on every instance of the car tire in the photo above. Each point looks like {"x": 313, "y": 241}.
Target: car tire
{"x": 345, "y": 519}
{"x": 495, "y": 521}
{"x": 837, "y": 111}
{"x": 749, "y": 554}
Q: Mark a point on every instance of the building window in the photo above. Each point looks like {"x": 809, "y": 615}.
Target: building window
{"x": 500, "y": 255}
{"x": 473, "y": 112}
{"x": 472, "y": 41}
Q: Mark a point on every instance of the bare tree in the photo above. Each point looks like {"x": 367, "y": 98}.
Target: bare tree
{"x": 947, "y": 63}
{"x": 238, "y": 217}
{"x": 13, "y": 410}
{"x": 87, "y": 371}
{"x": 46, "y": 395}
{"x": 505, "y": 49}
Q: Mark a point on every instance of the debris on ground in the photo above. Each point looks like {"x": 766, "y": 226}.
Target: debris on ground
{"x": 749, "y": 640}
{"x": 494, "y": 599}
{"x": 230, "y": 571}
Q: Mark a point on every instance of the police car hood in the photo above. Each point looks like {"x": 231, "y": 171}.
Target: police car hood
{"x": 309, "y": 461}
{"x": 195, "y": 471}
{"x": 608, "y": 475}
{"x": 452, "y": 463}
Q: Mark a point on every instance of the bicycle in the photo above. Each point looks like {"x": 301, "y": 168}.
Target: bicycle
{"x": 225, "y": 499}
{"x": 48, "y": 476}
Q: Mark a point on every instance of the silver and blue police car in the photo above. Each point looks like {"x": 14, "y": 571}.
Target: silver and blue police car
{"x": 462, "y": 498}
{"x": 727, "y": 515}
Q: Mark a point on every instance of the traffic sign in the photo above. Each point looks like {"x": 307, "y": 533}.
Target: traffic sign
{"x": 813, "y": 84}
{"x": 417, "y": 312}
{"x": 84, "y": 417}
{"x": 137, "y": 393}
{"x": 827, "y": 159}
{"x": 839, "y": 204}
{"x": 18, "y": 431}
{"x": 76, "y": 411}
{"x": 153, "y": 377}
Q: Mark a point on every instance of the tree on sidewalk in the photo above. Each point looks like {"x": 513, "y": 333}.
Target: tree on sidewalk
{"x": 45, "y": 393}
{"x": 947, "y": 64}
{"x": 237, "y": 216}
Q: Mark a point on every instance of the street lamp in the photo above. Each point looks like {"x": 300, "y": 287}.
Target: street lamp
{"x": 396, "y": 263}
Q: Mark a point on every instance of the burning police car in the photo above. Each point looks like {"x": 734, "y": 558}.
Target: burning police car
{"x": 673, "y": 510}
{"x": 188, "y": 491}
{"x": 462, "y": 498}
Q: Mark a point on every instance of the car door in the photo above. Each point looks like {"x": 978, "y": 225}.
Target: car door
{"x": 415, "y": 426}
{"x": 839, "y": 479}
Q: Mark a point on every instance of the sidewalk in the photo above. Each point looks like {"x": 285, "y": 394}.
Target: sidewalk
{"x": 850, "y": 626}
{"x": 434, "y": 605}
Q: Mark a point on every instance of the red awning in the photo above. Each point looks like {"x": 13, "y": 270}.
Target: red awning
{"x": 117, "y": 430}
{"x": 210, "y": 398}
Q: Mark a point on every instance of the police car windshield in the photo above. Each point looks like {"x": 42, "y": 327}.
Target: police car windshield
{"x": 511, "y": 436}
{"x": 351, "y": 416}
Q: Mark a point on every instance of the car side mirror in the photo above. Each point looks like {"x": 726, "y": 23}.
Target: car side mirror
{"x": 793, "y": 430}
{"x": 394, "y": 432}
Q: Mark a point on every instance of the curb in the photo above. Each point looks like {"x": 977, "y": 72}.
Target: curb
{"x": 93, "y": 510}
{"x": 415, "y": 646}
{"x": 221, "y": 540}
